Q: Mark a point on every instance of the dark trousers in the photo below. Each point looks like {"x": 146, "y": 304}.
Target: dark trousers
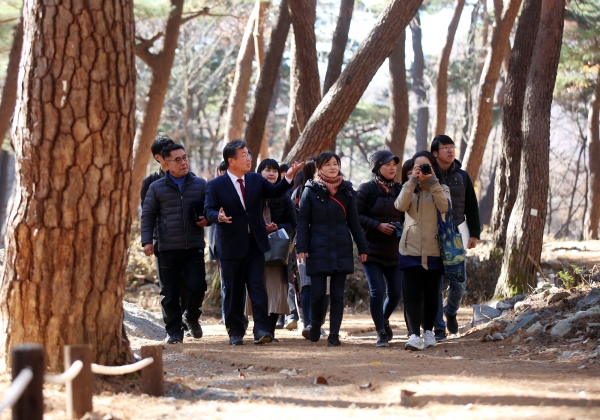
{"x": 385, "y": 288}
{"x": 336, "y": 297}
{"x": 176, "y": 268}
{"x": 237, "y": 275}
{"x": 421, "y": 290}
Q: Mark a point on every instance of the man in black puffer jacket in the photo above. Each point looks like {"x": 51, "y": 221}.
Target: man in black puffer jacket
{"x": 465, "y": 212}
{"x": 175, "y": 204}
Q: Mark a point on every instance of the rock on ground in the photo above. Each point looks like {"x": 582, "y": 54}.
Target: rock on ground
{"x": 140, "y": 323}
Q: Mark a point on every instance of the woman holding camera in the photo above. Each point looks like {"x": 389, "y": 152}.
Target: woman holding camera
{"x": 279, "y": 213}
{"x": 327, "y": 217}
{"x": 382, "y": 222}
{"x": 421, "y": 198}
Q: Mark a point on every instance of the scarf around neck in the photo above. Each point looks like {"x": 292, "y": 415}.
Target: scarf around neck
{"x": 331, "y": 184}
{"x": 384, "y": 184}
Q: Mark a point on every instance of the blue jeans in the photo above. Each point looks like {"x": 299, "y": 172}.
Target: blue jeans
{"x": 456, "y": 291}
{"x": 385, "y": 288}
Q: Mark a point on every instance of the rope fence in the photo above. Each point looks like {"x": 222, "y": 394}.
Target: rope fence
{"x": 25, "y": 395}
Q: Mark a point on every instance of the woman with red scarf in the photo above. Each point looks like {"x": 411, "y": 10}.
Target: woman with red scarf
{"x": 326, "y": 219}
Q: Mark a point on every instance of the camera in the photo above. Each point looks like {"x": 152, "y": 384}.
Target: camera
{"x": 398, "y": 230}
{"x": 426, "y": 169}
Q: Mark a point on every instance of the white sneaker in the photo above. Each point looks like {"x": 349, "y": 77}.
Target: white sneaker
{"x": 414, "y": 343}
{"x": 429, "y": 339}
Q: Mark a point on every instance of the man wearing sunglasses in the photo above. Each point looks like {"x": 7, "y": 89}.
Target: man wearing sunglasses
{"x": 175, "y": 204}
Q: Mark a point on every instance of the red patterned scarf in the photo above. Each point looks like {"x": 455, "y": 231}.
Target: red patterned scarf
{"x": 331, "y": 184}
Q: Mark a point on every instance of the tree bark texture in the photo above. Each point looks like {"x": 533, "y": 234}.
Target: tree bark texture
{"x": 397, "y": 128}
{"x": 592, "y": 216}
{"x": 4, "y": 188}
{"x": 255, "y": 128}
{"x": 241, "y": 82}
{"x": 484, "y": 104}
{"x": 295, "y": 121}
{"x": 160, "y": 64}
{"x": 9, "y": 91}
{"x": 259, "y": 29}
{"x": 418, "y": 72}
{"x": 331, "y": 114}
{"x": 68, "y": 232}
{"x": 303, "y": 14}
{"x": 338, "y": 44}
{"x": 442, "y": 80}
{"x": 509, "y": 159}
{"x": 526, "y": 224}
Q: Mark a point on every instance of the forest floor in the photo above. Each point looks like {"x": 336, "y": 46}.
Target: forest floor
{"x": 461, "y": 378}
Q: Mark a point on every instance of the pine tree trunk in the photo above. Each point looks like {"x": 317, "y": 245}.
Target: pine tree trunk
{"x": 241, "y": 82}
{"x": 525, "y": 234}
{"x": 592, "y": 216}
{"x": 4, "y": 190}
{"x": 68, "y": 234}
{"x": 160, "y": 65}
{"x": 303, "y": 14}
{"x": 333, "y": 111}
{"x": 397, "y": 128}
{"x": 259, "y": 29}
{"x": 418, "y": 72}
{"x": 9, "y": 91}
{"x": 255, "y": 128}
{"x": 442, "y": 80}
{"x": 338, "y": 44}
{"x": 295, "y": 121}
{"x": 484, "y": 104}
{"x": 509, "y": 159}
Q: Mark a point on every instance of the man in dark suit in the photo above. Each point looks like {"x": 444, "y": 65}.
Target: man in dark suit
{"x": 235, "y": 203}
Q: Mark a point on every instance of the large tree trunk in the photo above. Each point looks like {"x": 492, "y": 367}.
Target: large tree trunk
{"x": 509, "y": 159}
{"x": 397, "y": 128}
{"x": 486, "y": 90}
{"x": 259, "y": 29}
{"x": 338, "y": 45}
{"x": 331, "y": 114}
{"x": 9, "y": 91}
{"x": 4, "y": 188}
{"x": 68, "y": 233}
{"x": 418, "y": 72}
{"x": 295, "y": 121}
{"x": 160, "y": 65}
{"x": 526, "y": 225}
{"x": 442, "y": 80}
{"x": 303, "y": 14}
{"x": 592, "y": 216}
{"x": 255, "y": 129}
{"x": 241, "y": 82}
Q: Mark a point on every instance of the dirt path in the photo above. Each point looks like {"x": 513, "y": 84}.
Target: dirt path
{"x": 461, "y": 378}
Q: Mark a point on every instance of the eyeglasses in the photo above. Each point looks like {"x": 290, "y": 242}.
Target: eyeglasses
{"x": 449, "y": 148}
{"x": 244, "y": 156}
{"x": 179, "y": 159}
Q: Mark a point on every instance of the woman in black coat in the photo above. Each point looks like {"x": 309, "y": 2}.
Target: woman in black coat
{"x": 327, "y": 217}
{"x": 380, "y": 220}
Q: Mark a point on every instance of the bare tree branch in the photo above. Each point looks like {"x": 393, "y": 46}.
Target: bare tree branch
{"x": 142, "y": 49}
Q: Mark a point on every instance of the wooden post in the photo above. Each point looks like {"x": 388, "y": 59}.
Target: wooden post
{"x": 152, "y": 375}
{"x": 31, "y": 404}
{"x": 80, "y": 390}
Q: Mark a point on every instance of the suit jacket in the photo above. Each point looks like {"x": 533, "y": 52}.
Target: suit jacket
{"x": 233, "y": 238}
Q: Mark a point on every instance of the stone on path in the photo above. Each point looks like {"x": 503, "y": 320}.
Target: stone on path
{"x": 564, "y": 326}
{"x": 483, "y": 314}
{"x": 525, "y": 321}
{"x": 591, "y": 299}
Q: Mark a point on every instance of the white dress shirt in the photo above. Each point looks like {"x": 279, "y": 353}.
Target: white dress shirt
{"x": 236, "y": 184}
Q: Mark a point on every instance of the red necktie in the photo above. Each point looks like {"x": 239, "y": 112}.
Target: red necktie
{"x": 241, "y": 181}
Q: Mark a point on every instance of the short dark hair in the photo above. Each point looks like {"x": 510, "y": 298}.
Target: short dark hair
{"x": 432, "y": 159}
{"x": 283, "y": 167}
{"x": 166, "y": 152}
{"x": 231, "y": 148}
{"x": 440, "y": 139}
{"x": 222, "y": 167}
{"x": 325, "y": 157}
{"x": 269, "y": 164}
{"x": 407, "y": 166}
{"x": 159, "y": 144}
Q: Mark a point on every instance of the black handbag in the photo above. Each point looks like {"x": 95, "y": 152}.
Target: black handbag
{"x": 279, "y": 253}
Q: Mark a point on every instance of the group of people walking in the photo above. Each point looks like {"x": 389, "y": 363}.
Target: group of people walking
{"x": 392, "y": 224}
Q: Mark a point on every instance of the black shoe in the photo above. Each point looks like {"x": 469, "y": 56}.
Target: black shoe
{"x": 195, "y": 330}
{"x": 452, "y": 324}
{"x": 175, "y": 338}
{"x": 388, "y": 330}
{"x": 333, "y": 340}
{"x": 306, "y": 333}
{"x": 382, "y": 340}
{"x": 440, "y": 335}
{"x": 314, "y": 334}
{"x": 262, "y": 337}
{"x": 280, "y": 322}
{"x": 236, "y": 340}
